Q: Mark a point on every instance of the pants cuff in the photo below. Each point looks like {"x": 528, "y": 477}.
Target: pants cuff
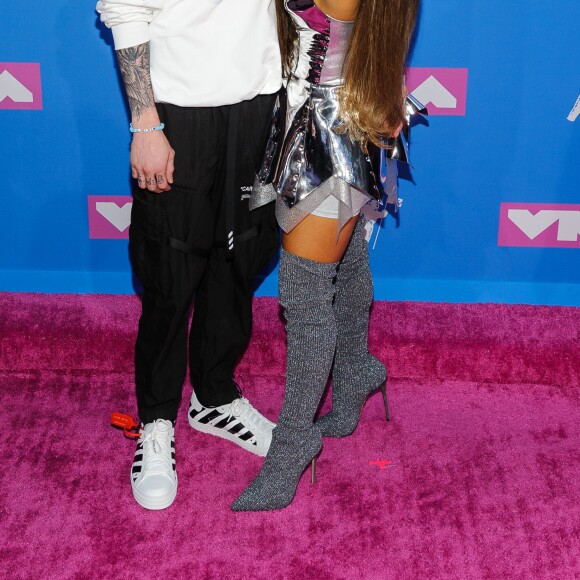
{"x": 150, "y": 414}
{"x": 217, "y": 397}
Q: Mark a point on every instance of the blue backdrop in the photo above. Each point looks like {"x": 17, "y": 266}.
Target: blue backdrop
{"x": 501, "y": 79}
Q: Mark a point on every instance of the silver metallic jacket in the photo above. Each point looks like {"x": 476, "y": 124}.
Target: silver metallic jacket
{"x": 306, "y": 159}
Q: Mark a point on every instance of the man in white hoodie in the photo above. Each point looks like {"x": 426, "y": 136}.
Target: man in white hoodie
{"x": 201, "y": 78}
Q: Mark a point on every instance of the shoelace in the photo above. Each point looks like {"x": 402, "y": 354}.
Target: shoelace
{"x": 157, "y": 449}
{"x": 242, "y": 408}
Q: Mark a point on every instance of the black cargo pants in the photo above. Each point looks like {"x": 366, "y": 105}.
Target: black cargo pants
{"x": 199, "y": 242}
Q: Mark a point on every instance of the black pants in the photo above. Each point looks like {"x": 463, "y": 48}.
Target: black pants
{"x": 200, "y": 239}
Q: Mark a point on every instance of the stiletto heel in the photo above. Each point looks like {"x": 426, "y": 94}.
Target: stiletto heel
{"x": 384, "y": 391}
{"x": 313, "y": 469}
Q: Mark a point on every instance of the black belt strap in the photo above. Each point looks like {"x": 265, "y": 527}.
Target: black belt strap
{"x": 248, "y": 234}
{"x": 192, "y": 250}
{"x": 243, "y": 237}
{"x": 188, "y": 248}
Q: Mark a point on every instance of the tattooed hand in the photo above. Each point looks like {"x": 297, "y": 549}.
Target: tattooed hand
{"x": 152, "y": 161}
{"x": 151, "y": 154}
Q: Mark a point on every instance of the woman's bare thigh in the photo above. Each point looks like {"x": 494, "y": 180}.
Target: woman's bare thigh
{"x": 315, "y": 238}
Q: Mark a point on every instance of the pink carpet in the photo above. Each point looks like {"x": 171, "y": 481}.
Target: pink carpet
{"x": 476, "y": 476}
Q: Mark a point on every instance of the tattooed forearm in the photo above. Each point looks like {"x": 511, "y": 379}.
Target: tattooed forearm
{"x": 134, "y": 63}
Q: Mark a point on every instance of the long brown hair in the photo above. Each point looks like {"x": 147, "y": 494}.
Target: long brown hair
{"x": 287, "y": 37}
{"x": 372, "y": 99}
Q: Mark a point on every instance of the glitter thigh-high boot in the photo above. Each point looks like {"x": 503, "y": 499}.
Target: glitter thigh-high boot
{"x": 306, "y": 293}
{"x": 356, "y": 372}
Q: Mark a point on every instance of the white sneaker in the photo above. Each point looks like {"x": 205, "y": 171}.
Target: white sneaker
{"x": 153, "y": 475}
{"x": 238, "y": 422}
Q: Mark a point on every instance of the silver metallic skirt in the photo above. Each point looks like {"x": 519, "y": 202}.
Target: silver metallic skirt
{"x": 311, "y": 161}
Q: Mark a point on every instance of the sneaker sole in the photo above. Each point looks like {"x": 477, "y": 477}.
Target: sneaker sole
{"x": 158, "y": 503}
{"x": 211, "y": 430}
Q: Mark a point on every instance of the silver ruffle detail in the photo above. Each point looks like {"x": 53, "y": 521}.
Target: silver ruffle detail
{"x": 310, "y": 161}
{"x": 351, "y": 201}
{"x": 262, "y": 194}
{"x": 398, "y": 147}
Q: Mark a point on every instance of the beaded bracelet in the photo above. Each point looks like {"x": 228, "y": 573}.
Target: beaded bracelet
{"x": 159, "y": 127}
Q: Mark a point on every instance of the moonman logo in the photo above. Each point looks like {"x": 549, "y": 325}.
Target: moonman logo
{"x": 539, "y": 225}
{"x": 20, "y": 85}
{"x": 575, "y": 111}
{"x": 442, "y": 90}
{"x": 109, "y": 217}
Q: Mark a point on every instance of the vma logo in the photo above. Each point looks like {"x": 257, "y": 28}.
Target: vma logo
{"x": 109, "y": 217}
{"x": 539, "y": 225}
{"x": 575, "y": 111}
{"x": 442, "y": 90}
{"x": 20, "y": 85}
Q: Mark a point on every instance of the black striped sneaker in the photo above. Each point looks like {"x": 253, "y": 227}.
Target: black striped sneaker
{"x": 153, "y": 475}
{"x": 238, "y": 422}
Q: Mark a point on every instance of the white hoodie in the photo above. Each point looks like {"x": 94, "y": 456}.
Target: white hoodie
{"x": 203, "y": 52}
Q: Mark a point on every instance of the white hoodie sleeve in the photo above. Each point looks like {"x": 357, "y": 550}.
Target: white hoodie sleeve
{"x": 129, "y": 19}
